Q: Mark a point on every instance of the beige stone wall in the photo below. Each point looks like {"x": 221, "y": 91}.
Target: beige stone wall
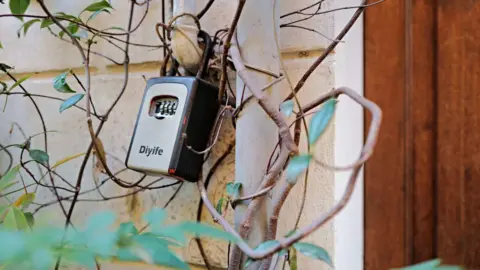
{"x": 43, "y": 56}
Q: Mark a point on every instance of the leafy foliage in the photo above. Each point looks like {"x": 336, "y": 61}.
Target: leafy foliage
{"x": 72, "y": 28}
{"x": 60, "y": 82}
{"x": 26, "y": 26}
{"x": 18, "y": 7}
{"x": 434, "y": 264}
{"x": 320, "y": 120}
{"x": 233, "y": 189}
{"x": 287, "y": 107}
{"x": 263, "y": 246}
{"x": 297, "y": 165}
{"x": 64, "y": 16}
{"x": 71, "y": 101}
{"x": 4, "y": 87}
{"x": 15, "y": 219}
{"x": 6, "y": 179}
{"x": 313, "y": 251}
{"x": 202, "y": 230}
{"x": 17, "y": 83}
{"x": 4, "y": 67}
{"x": 46, "y": 23}
{"x": 220, "y": 204}
{"x": 39, "y": 156}
{"x": 25, "y": 200}
{"x": 99, "y": 240}
{"x": 98, "y": 6}
{"x": 307, "y": 249}
{"x": 65, "y": 160}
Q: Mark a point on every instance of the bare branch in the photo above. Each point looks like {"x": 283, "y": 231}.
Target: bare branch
{"x": 226, "y": 47}
{"x": 329, "y": 49}
{"x": 324, "y": 218}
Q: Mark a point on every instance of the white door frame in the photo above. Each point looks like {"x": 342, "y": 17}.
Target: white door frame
{"x": 349, "y": 130}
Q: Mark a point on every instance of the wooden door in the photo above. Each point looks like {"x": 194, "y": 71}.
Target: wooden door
{"x": 422, "y": 185}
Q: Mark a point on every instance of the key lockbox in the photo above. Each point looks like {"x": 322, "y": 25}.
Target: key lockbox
{"x": 176, "y": 112}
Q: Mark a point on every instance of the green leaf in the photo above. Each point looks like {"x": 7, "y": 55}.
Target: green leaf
{"x": 127, "y": 228}
{"x": 4, "y": 67}
{"x": 155, "y": 216}
{"x": 148, "y": 248}
{"x": 313, "y": 251}
{"x": 39, "y": 156}
{"x": 229, "y": 188}
{"x": 60, "y": 83}
{"x": 233, "y": 189}
{"x": 167, "y": 241}
{"x": 30, "y": 219}
{"x": 79, "y": 257}
{"x": 99, "y": 236}
{"x": 157, "y": 252}
{"x": 266, "y": 245}
{"x": 248, "y": 262}
{"x": 15, "y": 220}
{"x": 125, "y": 232}
{"x": 9, "y": 177}
{"x": 102, "y": 243}
{"x": 173, "y": 232}
{"x": 67, "y": 159}
{"x": 2, "y": 210}
{"x": 290, "y": 233}
{"x": 101, "y": 221}
{"x": 1, "y": 45}
{"x": 9, "y": 185}
{"x": 81, "y": 34}
{"x": 43, "y": 258}
{"x": 320, "y": 120}
{"x": 4, "y": 87}
{"x": 287, "y": 107}
{"x": 282, "y": 253}
{"x": 18, "y": 7}
{"x": 261, "y": 247}
{"x": 17, "y": 83}
{"x": 219, "y": 206}
{"x": 293, "y": 259}
{"x": 117, "y": 28}
{"x": 46, "y": 23}
{"x": 63, "y": 15}
{"x": 431, "y": 265}
{"x": 71, "y": 101}
{"x": 91, "y": 17}
{"x": 72, "y": 29}
{"x": 25, "y": 200}
{"x": 27, "y": 26}
{"x": 98, "y": 6}
{"x": 201, "y": 230}
{"x": 13, "y": 244}
{"x": 296, "y": 166}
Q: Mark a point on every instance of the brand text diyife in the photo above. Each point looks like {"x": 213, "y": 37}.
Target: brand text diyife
{"x": 151, "y": 150}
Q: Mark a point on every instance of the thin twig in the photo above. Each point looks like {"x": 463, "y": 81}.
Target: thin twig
{"x": 226, "y": 48}
{"x": 212, "y": 171}
{"x": 252, "y": 196}
{"x": 301, "y": 233}
{"x": 311, "y": 30}
{"x": 205, "y": 9}
{"x": 45, "y": 138}
{"x": 303, "y": 9}
{"x": 329, "y": 49}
